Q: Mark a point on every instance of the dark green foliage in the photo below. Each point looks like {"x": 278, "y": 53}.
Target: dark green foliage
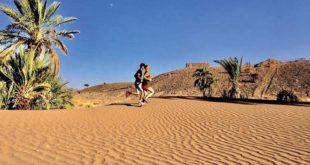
{"x": 6, "y": 93}
{"x": 286, "y": 96}
{"x": 225, "y": 94}
{"x": 228, "y": 94}
{"x": 204, "y": 81}
{"x": 25, "y": 79}
{"x": 27, "y": 82}
{"x": 233, "y": 67}
{"x": 59, "y": 97}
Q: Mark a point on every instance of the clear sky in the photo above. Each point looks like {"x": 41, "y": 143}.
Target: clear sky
{"x": 116, "y": 35}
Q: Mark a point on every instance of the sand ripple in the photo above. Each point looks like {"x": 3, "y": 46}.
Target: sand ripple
{"x": 165, "y": 132}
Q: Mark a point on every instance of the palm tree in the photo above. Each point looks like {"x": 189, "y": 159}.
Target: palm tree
{"x": 233, "y": 67}
{"x": 59, "y": 97}
{"x": 26, "y": 79}
{"x": 6, "y": 93}
{"x": 34, "y": 24}
{"x": 204, "y": 81}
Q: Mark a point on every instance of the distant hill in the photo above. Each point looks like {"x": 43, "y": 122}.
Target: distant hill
{"x": 262, "y": 80}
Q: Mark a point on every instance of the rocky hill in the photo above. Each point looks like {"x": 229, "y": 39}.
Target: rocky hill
{"x": 263, "y": 80}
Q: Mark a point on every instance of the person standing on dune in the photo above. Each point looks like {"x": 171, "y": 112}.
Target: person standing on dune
{"x": 147, "y": 78}
{"x": 138, "y": 84}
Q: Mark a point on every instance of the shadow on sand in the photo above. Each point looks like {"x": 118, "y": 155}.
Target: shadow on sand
{"x": 235, "y": 101}
{"x": 220, "y": 100}
{"x": 124, "y": 104}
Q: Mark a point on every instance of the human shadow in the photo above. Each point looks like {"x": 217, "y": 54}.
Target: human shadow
{"x": 235, "y": 101}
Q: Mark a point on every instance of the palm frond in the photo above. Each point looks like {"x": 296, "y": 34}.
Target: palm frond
{"x": 9, "y": 36}
{"x": 59, "y": 20}
{"x": 232, "y": 67}
{"x": 42, "y": 87}
{"x": 68, "y": 34}
{"x": 65, "y": 20}
{"x": 51, "y": 10}
{"x": 9, "y": 50}
{"x": 4, "y": 75}
{"x": 12, "y": 13}
{"x": 27, "y": 76}
{"x": 17, "y": 28}
{"x": 61, "y": 46}
{"x": 41, "y": 10}
{"x": 19, "y": 6}
{"x": 24, "y": 7}
{"x": 35, "y": 25}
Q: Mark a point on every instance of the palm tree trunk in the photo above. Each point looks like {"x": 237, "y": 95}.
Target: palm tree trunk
{"x": 210, "y": 91}
{"x": 235, "y": 90}
{"x": 23, "y": 103}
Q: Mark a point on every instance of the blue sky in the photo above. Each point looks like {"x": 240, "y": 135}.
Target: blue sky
{"x": 116, "y": 35}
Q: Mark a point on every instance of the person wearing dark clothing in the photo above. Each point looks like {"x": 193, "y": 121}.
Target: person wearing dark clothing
{"x": 138, "y": 84}
{"x": 139, "y": 78}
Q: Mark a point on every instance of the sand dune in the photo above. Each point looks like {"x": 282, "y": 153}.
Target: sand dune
{"x": 167, "y": 131}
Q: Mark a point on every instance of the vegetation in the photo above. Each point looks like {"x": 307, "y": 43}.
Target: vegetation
{"x": 286, "y": 96}
{"x": 225, "y": 94}
{"x": 25, "y": 78}
{"x": 59, "y": 97}
{"x": 5, "y": 95}
{"x": 34, "y": 25}
{"x": 27, "y": 82}
{"x": 204, "y": 81}
{"x": 29, "y": 63}
{"x": 233, "y": 67}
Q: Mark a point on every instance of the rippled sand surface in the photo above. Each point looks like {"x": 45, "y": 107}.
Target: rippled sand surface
{"x": 167, "y": 131}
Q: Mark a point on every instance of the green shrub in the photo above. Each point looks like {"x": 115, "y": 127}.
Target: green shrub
{"x": 226, "y": 94}
{"x": 229, "y": 94}
{"x": 27, "y": 82}
{"x": 25, "y": 79}
{"x": 204, "y": 81}
{"x": 286, "y": 96}
{"x": 59, "y": 97}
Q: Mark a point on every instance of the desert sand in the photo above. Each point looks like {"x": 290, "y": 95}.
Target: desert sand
{"x": 167, "y": 131}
